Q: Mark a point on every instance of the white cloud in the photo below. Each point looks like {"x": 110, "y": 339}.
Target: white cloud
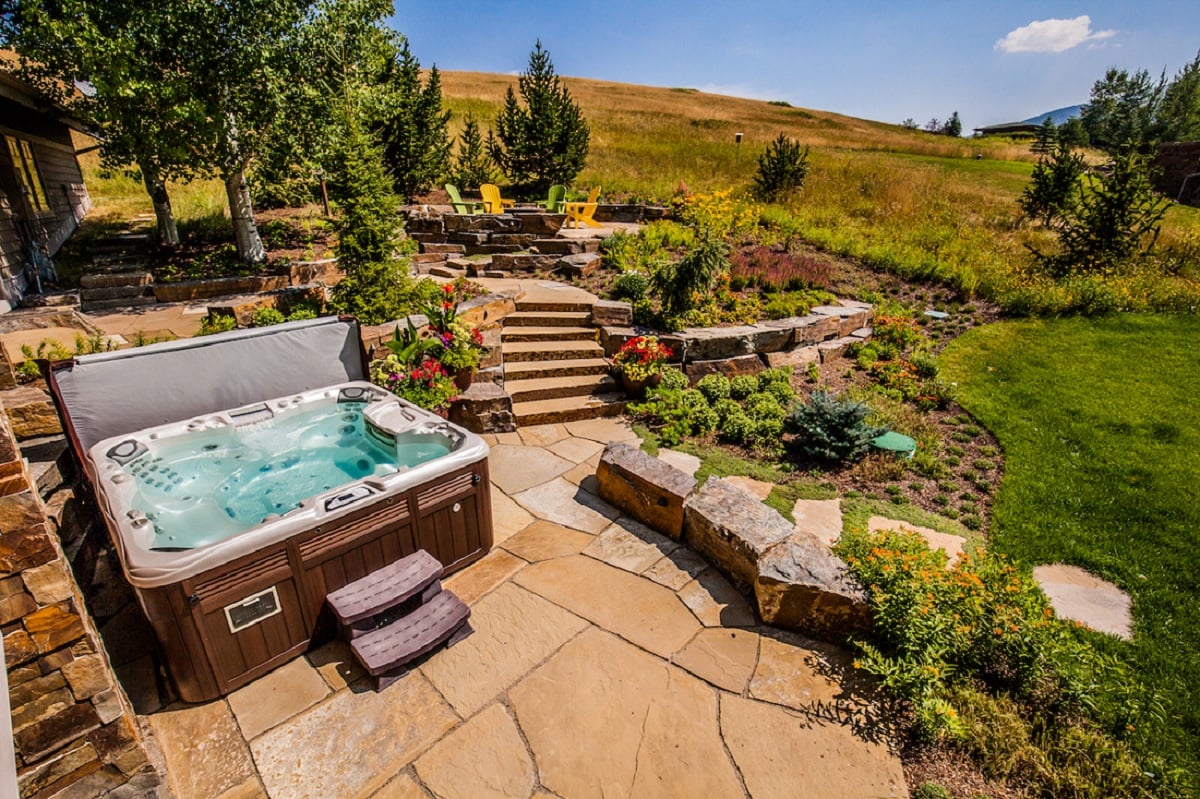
{"x": 1052, "y": 36}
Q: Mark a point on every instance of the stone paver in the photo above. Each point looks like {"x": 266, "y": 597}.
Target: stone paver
{"x": 402, "y": 787}
{"x": 716, "y": 602}
{"x": 336, "y": 664}
{"x": 602, "y": 430}
{"x": 638, "y": 610}
{"x": 542, "y": 435}
{"x": 952, "y": 545}
{"x": 820, "y": 517}
{"x": 507, "y": 517}
{"x": 688, "y": 464}
{"x": 630, "y": 545}
{"x": 353, "y": 743}
{"x": 677, "y": 569}
{"x": 567, "y": 504}
{"x": 756, "y": 488}
{"x": 605, "y": 719}
{"x": 723, "y": 657}
{"x": 278, "y": 696}
{"x": 1076, "y": 594}
{"x": 483, "y": 758}
{"x": 785, "y": 755}
{"x": 795, "y": 675}
{"x": 545, "y": 540}
{"x": 584, "y": 476}
{"x": 487, "y": 573}
{"x": 514, "y": 630}
{"x": 515, "y": 469}
{"x": 207, "y": 755}
{"x": 577, "y": 450}
{"x": 513, "y": 439}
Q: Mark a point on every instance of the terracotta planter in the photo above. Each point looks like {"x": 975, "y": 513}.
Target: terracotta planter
{"x": 636, "y": 389}
{"x": 463, "y": 378}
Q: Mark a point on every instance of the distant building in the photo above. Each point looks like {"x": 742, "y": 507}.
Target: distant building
{"x": 1008, "y": 129}
{"x": 42, "y": 196}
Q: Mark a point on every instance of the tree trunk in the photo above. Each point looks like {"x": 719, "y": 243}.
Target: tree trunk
{"x": 156, "y": 187}
{"x": 245, "y": 232}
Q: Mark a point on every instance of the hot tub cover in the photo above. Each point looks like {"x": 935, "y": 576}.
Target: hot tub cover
{"x": 115, "y": 393}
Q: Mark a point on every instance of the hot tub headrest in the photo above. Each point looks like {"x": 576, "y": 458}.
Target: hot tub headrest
{"x": 116, "y": 393}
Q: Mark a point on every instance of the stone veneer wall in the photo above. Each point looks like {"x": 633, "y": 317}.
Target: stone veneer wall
{"x": 74, "y": 731}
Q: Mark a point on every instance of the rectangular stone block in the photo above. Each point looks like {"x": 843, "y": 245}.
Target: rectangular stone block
{"x": 612, "y": 313}
{"x": 38, "y": 740}
{"x": 644, "y": 487}
{"x": 523, "y": 262}
{"x": 518, "y": 240}
{"x": 798, "y": 358}
{"x": 53, "y": 627}
{"x": 443, "y": 249}
{"x": 710, "y": 343}
{"x": 429, "y": 258}
{"x": 768, "y": 338}
{"x": 31, "y": 413}
{"x": 541, "y": 224}
{"x": 853, "y": 322}
{"x": 469, "y": 237}
{"x": 834, "y": 348}
{"x": 815, "y": 329}
{"x": 803, "y": 586}
{"x": 25, "y": 543}
{"x": 732, "y": 529}
{"x": 730, "y": 367}
{"x": 557, "y": 246}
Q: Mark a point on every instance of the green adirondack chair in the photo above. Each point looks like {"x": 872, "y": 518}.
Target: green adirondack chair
{"x": 461, "y": 207}
{"x": 554, "y": 199}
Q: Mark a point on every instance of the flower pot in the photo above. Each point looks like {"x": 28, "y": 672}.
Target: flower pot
{"x": 636, "y": 389}
{"x": 463, "y": 378}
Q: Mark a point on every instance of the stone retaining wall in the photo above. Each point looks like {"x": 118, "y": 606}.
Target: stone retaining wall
{"x": 73, "y": 728}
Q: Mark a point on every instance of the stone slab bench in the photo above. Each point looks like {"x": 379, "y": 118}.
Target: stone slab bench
{"x": 386, "y": 651}
{"x": 647, "y": 489}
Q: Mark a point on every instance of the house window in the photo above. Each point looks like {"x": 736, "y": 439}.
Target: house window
{"x": 27, "y": 172}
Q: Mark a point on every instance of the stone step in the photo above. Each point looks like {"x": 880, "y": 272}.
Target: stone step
{"x": 537, "y": 370}
{"x": 568, "y": 409}
{"x": 445, "y": 271}
{"x": 95, "y": 280}
{"x": 108, "y": 305}
{"x": 543, "y": 388}
{"x": 517, "y": 351}
{"x": 125, "y": 291}
{"x": 554, "y": 333}
{"x": 554, "y": 307}
{"x": 547, "y": 319}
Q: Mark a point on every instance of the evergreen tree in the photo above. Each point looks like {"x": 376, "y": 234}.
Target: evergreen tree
{"x": 782, "y": 168}
{"x": 473, "y": 166}
{"x": 1072, "y": 133}
{"x": 1180, "y": 112}
{"x": 1053, "y": 189}
{"x": 1046, "y": 138}
{"x": 416, "y": 143}
{"x": 546, "y": 141}
{"x": 952, "y": 126}
{"x": 1122, "y": 113}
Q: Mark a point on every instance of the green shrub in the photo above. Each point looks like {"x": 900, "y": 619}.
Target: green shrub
{"x": 631, "y": 286}
{"x": 673, "y": 378}
{"x": 742, "y": 386}
{"x": 931, "y": 790}
{"x": 726, "y": 407}
{"x": 778, "y": 375}
{"x": 737, "y": 427}
{"x": 782, "y": 169}
{"x": 299, "y": 313}
{"x": 216, "y": 324}
{"x": 265, "y": 317}
{"x": 680, "y": 412}
{"x": 714, "y": 387}
{"x": 679, "y": 285}
{"x": 830, "y": 429}
{"x": 763, "y": 405}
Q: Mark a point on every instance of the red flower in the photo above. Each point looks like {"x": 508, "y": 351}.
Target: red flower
{"x": 448, "y": 288}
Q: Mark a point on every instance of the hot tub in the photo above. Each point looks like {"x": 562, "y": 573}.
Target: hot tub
{"x": 233, "y": 526}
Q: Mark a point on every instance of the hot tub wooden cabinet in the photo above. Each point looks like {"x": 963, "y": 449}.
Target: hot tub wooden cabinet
{"x": 228, "y": 625}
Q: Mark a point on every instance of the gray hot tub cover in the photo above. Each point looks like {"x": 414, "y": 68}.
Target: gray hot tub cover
{"x": 114, "y": 393}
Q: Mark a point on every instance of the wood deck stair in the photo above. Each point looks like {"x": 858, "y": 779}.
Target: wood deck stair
{"x": 554, "y": 369}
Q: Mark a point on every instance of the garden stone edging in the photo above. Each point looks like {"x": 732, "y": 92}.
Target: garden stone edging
{"x": 797, "y": 581}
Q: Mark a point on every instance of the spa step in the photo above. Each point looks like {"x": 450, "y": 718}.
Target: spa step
{"x": 571, "y": 367}
{"x": 384, "y": 588}
{"x": 554, "y": 307}
{"x": 568, "y": 409}
{"x": 524, "y": 351}
{"x": 548, "y": 319}
{"x": 385, "y": 651}
{"x": 543, "y": 388}
{"x": 556, "y": 333}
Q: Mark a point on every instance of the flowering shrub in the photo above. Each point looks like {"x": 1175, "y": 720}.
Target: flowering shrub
{"x": 722, "y": 214}
{"x": 774, "y": 270}
{"x": 458, "y": 346}
{"x": 426, "y": 383}
{"x": 642, "y": 357}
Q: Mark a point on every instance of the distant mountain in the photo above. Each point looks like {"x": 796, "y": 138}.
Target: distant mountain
{"x": 1059, "y": 115}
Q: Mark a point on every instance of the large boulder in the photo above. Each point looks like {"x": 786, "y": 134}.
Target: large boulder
{"x": 802, "y": 585}
{"x": 732, "y": 529}
{"x": 644, "y": 487}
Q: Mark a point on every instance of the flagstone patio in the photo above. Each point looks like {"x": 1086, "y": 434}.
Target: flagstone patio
{"x": 607, "y": 661}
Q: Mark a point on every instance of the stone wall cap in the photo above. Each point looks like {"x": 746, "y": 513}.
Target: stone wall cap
{"x": 836, "y": 310}
{"x": 630, "y": 459}
{"x": 805, "y": 560}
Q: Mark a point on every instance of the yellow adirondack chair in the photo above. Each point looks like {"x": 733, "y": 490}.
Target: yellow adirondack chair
{"x": 583, "y": 212}
{"x": 492, "y": 202}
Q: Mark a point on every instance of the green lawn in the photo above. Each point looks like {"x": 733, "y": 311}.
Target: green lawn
{"x": 1097, "y": 419}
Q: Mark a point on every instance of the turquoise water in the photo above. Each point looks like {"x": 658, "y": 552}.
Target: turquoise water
{"x": 204, "y": 487}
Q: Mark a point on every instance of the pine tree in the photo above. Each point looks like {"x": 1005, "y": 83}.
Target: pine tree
{"x": 473, "y": 166}
{"x": 782, "y": 168}
{"x": 546, "y": 141}
{"x": 952, "y": 126}
{"x": 1045, "y": 139}
{"x": 416, "y": 143}
{"x": 1053, "y": 189}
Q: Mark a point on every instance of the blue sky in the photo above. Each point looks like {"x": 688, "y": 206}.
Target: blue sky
{"x": 992, "y": 62}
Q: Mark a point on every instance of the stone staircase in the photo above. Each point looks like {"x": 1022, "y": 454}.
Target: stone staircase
{"x": 553, "y": 368}
{"x": 119, "y": 275}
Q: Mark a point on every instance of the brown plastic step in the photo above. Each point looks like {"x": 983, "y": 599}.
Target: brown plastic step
{"x": 385, "y": 651}
{"x": 524, "y": 351}
{"x": 556, "y": 333}
{"x": 543, "y": 388}
{"x": 534, "y": 370}
{"x": 548, "y": 319}
{"x": 384, "y": 588}
{"x": 568, "y": 409}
